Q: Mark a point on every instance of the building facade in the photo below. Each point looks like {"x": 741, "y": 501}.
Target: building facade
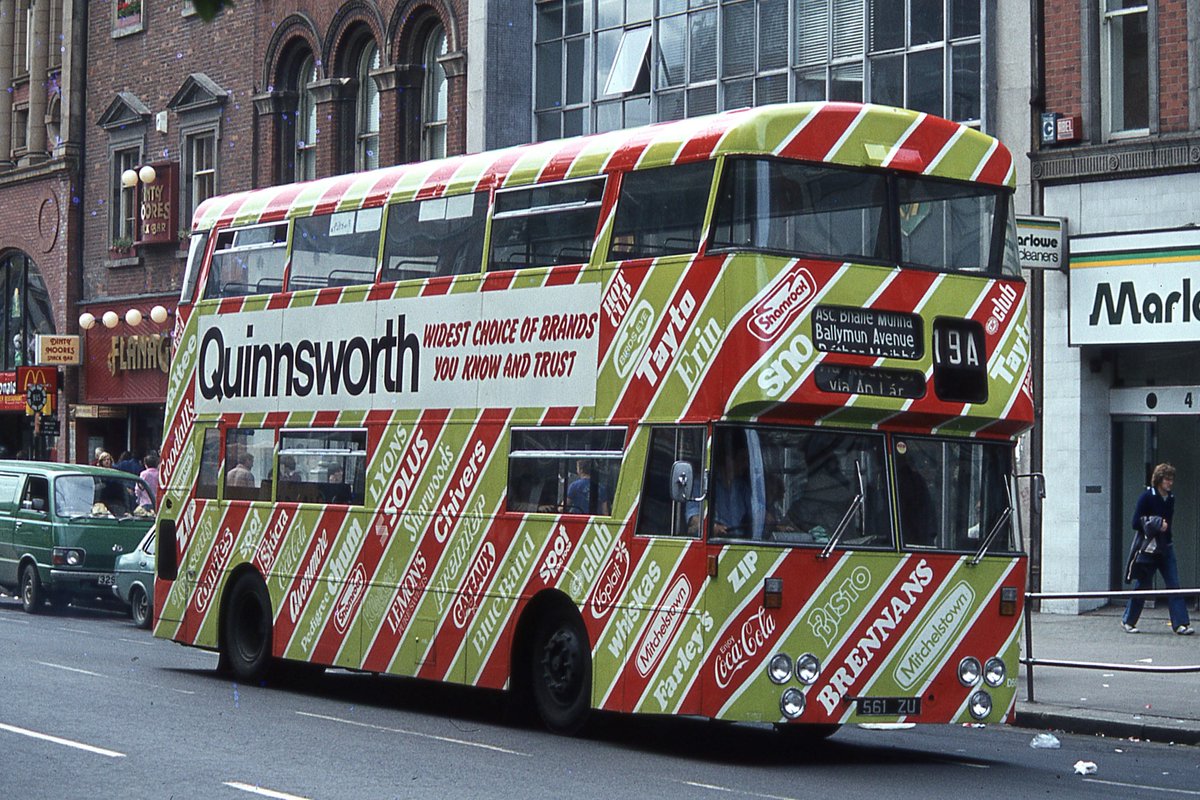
{"x": 306, "y": 91}
{"x": 1119, "y": 160}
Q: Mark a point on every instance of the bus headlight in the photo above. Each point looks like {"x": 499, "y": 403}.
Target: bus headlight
{"x": 779, "y": 669}
{"x": 981, "y": 704}
{"x": 791, "y": 704}
{"x": 969, "y": 671}
{"x": 808, "y": 667}
{"x": 994, "y": 672}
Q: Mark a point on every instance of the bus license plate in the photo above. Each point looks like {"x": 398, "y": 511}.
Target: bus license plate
{"x": 888, "y": 706}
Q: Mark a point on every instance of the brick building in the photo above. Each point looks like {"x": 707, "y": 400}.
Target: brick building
{"x": 1119, "y": 160}
{"x": 266, "y": 93}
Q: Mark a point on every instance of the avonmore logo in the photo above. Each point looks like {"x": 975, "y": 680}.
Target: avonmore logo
{"x": 786, "y": 300}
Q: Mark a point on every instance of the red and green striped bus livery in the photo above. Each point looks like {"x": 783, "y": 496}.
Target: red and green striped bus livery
{"x": 714, "y": 417}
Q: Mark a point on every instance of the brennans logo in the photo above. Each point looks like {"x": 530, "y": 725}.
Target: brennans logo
{"x": 302, "y": 368}
{"x": 1000, "y": 307}
{"x": 663, "y": 625}
{"x": 1153, "y": 308}
{"x": 783, "y": 303}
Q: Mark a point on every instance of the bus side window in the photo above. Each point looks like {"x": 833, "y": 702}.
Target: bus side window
{"x": 338, "y": 249}
{"x": 658, "y": 515}
{"x": 545, "y": 225}
{"x": 661, "y": 211}
{"x": 210, "y": 465}
{"x": 248, "y": 261}
{"x": 564, "y": 470}
{"x": 248, "y": 454}
{"x": 439, "y": 236}
{"x": 322, "y": 466}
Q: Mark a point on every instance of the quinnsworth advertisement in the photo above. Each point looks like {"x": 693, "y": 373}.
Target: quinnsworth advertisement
{"x": 491, "y": 349}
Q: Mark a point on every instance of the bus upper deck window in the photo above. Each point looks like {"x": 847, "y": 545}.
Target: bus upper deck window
{"x": 338, "y": 249}
{"x": 952, "y": 226}
{"x": 661, "y": 211}
{"x": 248, "y": 261}
{"x": 438, "y": 236}
{"x": 545, "y": 225}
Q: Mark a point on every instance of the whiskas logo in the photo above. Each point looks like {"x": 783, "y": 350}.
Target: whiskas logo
{"x": 783, "y": 303}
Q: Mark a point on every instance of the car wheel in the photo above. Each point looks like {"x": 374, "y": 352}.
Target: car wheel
{"x": 32, "y": 594}
{"x": 246, "y": 639}
{"x": 139, "y": 607}
{"x": 561, "y": 671}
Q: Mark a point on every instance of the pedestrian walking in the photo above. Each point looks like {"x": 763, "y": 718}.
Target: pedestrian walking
{"x": 1153, "y": 551}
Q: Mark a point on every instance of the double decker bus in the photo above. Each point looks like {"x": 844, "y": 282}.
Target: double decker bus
{"x": 714, "y": 417}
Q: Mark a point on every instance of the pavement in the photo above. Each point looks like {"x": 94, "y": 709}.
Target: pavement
{"x": 1159, "y": 707}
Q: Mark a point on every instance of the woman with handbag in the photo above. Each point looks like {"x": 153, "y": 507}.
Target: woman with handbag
{"x": 1153, "y": 550}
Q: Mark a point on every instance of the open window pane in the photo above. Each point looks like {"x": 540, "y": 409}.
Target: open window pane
{"x": 630, "y": 62}
{"x": 248, "y": 261}
{"x": 545, "y": 225}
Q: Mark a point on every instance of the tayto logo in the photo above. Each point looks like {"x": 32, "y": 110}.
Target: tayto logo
{"x": 611, "y": 582}
{"x": 472, "y": 591}
{"x": 736, "y": 653}
{"x": 787, "y": 298}
{"x": 352, "y": 593}
{"x": 1000, "y": 307}
{"x": 663, "y": 625}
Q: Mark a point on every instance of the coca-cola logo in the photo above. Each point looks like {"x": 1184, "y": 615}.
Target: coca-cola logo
{"x": 786, "y": 299}
{"x": 468, "y": 600}
{"x": 736, "y": 652}
{"x": 611, "y": 582}
{"x": 352, "y": 593}
{"x": 662, "y": 627}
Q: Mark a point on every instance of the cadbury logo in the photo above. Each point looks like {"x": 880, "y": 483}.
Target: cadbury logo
{"x": 783, "y": 303}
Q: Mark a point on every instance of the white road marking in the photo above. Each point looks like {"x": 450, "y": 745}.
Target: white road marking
{"x": 74, "y": 630}
{"x": 14, "y": 619}
{"x": 142, "y": 642}
{"x": 1189, "y": 792}
{"x": 57, "y": 740}
{"x": 71, "y": 669}
{"x": 245, "y": 787}
{"x": 418, "y": 734}
{"x": 729, "y": 790}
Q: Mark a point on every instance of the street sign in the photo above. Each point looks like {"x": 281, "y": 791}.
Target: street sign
{"x": 58, "y": 350}
{"x": 40, "y": 387}
{"x": 1041, "y": 242}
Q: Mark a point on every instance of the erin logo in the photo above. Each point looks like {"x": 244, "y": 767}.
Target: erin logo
{"x": 936, "y": 637}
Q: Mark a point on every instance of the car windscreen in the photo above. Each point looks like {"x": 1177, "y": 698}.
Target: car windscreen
{"x": 101, "y": 497}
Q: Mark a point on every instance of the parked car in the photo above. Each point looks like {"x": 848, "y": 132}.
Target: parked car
{"x": 135, "y": 581}
{"x": 62, "y": 527}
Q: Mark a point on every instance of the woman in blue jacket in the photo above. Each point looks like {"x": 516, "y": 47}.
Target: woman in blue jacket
{"x": 1157, "y": 502}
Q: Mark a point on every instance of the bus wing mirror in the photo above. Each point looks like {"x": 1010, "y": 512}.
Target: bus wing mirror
{"x": 167, "y": 558}
{"x": 683, "y": 481}
{"x": 1037, "y": 490}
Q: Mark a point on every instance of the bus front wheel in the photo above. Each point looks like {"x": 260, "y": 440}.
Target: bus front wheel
{"x": 561, "y": 671}
{"x": 246, "y": 637}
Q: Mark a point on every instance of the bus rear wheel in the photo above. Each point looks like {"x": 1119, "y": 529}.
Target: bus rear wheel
{"x": 561, "y": 671}
{"x": 246, "y": 632}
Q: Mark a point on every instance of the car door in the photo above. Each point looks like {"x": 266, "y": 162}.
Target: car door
{"x": 9, "y": 485}
{"x": 32, "y": 528}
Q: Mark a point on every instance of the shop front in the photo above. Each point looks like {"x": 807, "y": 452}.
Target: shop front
{"x": 127, "y": 354}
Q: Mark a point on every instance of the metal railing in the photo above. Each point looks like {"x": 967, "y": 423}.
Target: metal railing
{"x": 1030, "y": 662}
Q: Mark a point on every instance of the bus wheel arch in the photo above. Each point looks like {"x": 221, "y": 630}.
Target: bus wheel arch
{"x": 246, "y": 626}
{"x": 552, "y": 662}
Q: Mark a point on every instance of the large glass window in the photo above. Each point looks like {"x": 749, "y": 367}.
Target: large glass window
{"x": 564, "y": 470}
{"x": 435, "y": 97}
{"x": 803, "y": 209}
{"x": 124, "y": 198}
{"x": 661, "y": 211}
{"x": 950, "y": 225}
{"x": 952, "y": 494}
{"x": 200, "y": 172}
{"x": 93, "y": 496}
{"x": 338, "y": 249}
{"x": 545, "y": 225}
{"x": 248, "y": 261}
{"x": 440, "y": 236}
{"x": 1126, "y": 59}
{"x": 305, "y": 121}
{"x": 658, "y": 514}
{"x": 321, "y": 466}
{"x": 248, "y": 453}
{"x": 26, "y": 311}
{"x": 210, "y": 464}
{"x": 367, "y": 127}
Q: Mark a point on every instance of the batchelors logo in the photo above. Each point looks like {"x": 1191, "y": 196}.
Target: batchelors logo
{"x": 663, "y": 625}
{"x": 611, "y": 582}
{"x": 472, "y": 591}
{"x": 633, "y": 338}
{"x": 352, "y": 594}
{"x": 791, "y": 293}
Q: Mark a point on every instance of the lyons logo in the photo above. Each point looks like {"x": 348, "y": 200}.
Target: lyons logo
{"x": 783, "y": 303}
{"x": 633, "y": 338}
{"x": 936, "y": 636}
{"x": 356, "y": 586}
{"x": 663, "y": 625}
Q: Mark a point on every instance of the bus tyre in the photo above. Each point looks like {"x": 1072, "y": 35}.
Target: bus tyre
{"x": 246, "y": 635}
{"x": 561, "y": 671}
{"x": 32, "y": 594}
{"x": 139, "y": 608}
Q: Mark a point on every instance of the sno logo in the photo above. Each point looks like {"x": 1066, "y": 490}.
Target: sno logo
{"x": 790, "y": 295}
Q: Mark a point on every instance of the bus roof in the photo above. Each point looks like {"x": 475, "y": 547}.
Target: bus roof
{"x": 850, "y": 134}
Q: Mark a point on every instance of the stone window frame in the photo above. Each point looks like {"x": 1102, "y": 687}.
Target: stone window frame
{"x": 125, "y": 122}
{"x": 199, "y": 105}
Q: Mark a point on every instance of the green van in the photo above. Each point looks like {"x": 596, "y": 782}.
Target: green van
{"x": 62, "y": 527}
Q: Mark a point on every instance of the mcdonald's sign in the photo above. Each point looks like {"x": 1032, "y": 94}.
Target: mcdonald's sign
{"x": 40, "y": 387}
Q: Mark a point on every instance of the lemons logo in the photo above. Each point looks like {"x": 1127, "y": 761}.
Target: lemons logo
{"x": 937, "y": 634}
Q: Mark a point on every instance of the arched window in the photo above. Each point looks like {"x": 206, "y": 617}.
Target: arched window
{"x": 306, "y": 121}
{"x": 366, "y": 134}
{"x": 26, "y": 311}
{"x": 435, "y": 97}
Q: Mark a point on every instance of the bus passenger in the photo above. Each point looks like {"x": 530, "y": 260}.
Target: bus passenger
{"x": 730, "y": 507}
{"x": 579, "y": 492}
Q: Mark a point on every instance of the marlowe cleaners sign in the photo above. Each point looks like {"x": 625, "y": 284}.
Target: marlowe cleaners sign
{"x": 492, "y": 349}
{"x": 1135, "y": 289}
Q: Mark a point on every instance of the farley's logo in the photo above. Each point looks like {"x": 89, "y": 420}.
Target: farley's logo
{"x": 663, "y": 625}
{"x": 472, "y": 591}
{"x": 611, "y": 581}
{"x": 299, "y": 369}
{"x": 735, "y": 653}
{"x": 1000, "y": 307}
{"x": 633, "y": 338}
{"x": 786, "y": 299}
{"x": 938, "y": 633}
{"x": 352, "y": 594}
